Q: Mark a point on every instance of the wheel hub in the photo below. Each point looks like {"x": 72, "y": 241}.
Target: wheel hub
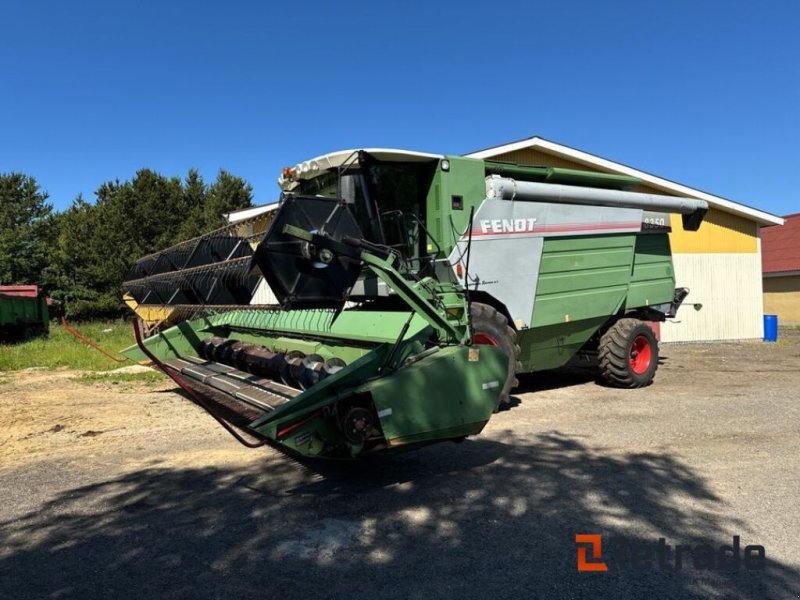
{"x": 640, "y": 355}
{"x": 484, "y": 339}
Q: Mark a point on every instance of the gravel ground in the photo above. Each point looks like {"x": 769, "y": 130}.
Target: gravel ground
{"x": 129, "y": 491}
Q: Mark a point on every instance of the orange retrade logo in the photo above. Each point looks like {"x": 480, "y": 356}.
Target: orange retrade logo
{"x": 594, "y": 540}
{"x": 640, "y": 555}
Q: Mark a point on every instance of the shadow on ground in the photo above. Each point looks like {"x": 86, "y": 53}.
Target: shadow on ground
{"x": 475, "y": 519}
{"x": 555, "y": 379}
{"x": 576, "y": 372}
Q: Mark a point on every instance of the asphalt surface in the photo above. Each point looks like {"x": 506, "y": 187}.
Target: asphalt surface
{"x": 139, "y": 495}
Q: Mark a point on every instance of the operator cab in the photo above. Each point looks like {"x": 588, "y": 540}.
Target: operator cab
{"x": 386, "y": 190}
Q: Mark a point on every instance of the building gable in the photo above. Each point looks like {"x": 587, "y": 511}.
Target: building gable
{"x": 720, "y": 232}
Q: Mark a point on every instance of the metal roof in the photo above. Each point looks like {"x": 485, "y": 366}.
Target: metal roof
{"x": 780, "y": 246}
{"x": 250, "y": 211}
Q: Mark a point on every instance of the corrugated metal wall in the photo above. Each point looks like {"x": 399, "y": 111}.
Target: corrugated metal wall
{"x": 259, "y": 225}
{"x": 729, "y": 288}
{"x": 264, "y": 294}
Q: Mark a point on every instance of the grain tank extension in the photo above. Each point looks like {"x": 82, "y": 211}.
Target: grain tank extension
{"x": 408, "y": 291}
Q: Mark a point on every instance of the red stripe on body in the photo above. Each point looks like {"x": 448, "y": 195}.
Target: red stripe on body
{"x": 567, "y": 227}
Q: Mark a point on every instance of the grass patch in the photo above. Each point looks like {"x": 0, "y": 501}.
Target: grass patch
{"x": 104, "y": 377}
{"x": 61, "y": 349}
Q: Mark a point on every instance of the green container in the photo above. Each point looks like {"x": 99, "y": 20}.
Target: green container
{"x": 22, "y": 316}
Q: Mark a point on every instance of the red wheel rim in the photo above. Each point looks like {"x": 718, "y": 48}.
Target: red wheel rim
{"x": 484, "y": 339}
{"x": 641, "y": 354}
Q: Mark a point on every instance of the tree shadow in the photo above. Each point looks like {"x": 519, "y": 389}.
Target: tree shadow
{"x": 479, "y": 518}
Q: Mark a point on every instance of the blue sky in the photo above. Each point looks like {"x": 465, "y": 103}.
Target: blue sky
{"x": 704, "y": 93}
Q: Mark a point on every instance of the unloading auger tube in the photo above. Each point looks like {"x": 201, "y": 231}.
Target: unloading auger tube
{"x": 505, "y": 188}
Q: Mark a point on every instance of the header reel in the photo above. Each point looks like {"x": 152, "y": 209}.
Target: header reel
{"x": 210, "y": 270}
{"x": 301, "y": 273}
{"x": 224, "y": 268}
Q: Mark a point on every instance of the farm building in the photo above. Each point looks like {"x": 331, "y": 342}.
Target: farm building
{"x": 720, "y": 263}
{"x": 780, "y": 247}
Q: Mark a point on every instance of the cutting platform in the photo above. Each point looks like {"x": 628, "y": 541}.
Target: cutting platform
{"x": 262, "y": 394}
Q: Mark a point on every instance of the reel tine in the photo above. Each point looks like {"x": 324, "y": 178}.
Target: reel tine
{"x": 204, "y": 276}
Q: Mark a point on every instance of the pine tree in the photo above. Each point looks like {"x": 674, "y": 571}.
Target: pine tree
{"x": 25, "y": 229}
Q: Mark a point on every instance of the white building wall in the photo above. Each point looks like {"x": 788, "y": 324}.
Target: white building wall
{"x": 729, "y": 288}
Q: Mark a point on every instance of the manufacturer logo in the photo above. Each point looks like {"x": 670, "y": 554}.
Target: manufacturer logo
{"x": 490, "y": 226}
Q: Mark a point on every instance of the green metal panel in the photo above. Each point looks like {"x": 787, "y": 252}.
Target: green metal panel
{"x": 349, "y": 336}
{"x": 464, "y": 179}
{"x": 572, "y": 259}
{"x": 561, "y": 175}
{"x": 582, "y": 282}
{"x": 419, "y": 402}
{"x": 377, "y": 326}
{"x": 577, "y": 305}
{"x": 653, "y": 278}
{"x": 183, "y": 339}
{"x": 555, "y": 285}
{"x": 444, "y": 395}
{"x": 585, "y": 280}
{"x": 582, "y": 278}
{"x": 552, "y": 346}
{"x": 22, "y": 311}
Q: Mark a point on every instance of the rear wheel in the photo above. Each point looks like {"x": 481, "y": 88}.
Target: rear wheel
{"x": 490, "y": 328}
{"x": 628, "y": 354}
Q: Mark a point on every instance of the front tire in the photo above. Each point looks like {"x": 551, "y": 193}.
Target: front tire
{"x": 491, "y": 328}
{"x": 628, "y": 354}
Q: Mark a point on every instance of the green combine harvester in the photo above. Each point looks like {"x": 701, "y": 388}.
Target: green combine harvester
{"x": 409, "y": 291}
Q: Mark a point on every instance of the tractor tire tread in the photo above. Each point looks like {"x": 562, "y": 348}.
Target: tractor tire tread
{"x": 614, "y": 352}
{"x": 488, "y": 314}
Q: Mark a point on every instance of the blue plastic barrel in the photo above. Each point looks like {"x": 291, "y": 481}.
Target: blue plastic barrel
{"x": 770, "y": 328}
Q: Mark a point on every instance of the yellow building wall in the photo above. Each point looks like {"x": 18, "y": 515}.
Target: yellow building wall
{"x": 782, "y": 298}
{"x": 719, "y": 232}
{"x": 254, "y": 226}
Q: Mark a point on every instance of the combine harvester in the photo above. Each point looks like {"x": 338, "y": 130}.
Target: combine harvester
{"x": 412, "y": 289}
